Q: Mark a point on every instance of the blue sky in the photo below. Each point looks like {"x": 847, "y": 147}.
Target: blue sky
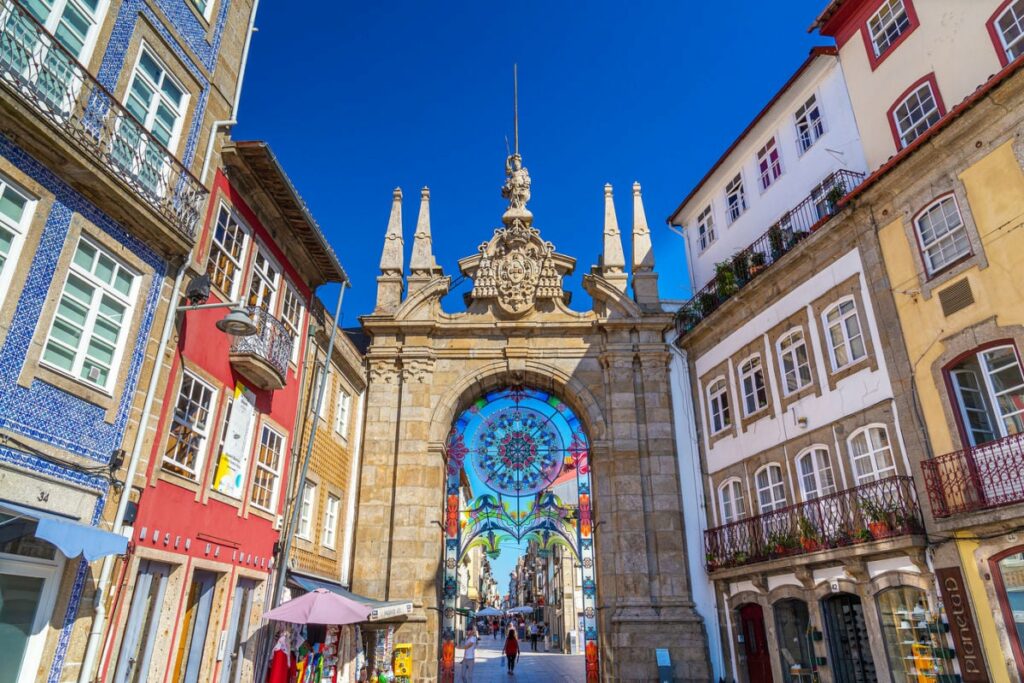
{"x": 358, "y": 98}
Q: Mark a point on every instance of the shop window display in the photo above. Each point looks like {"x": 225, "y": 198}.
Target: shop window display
{"x": 913, "y": 636}
{"x": 1011, "y": 588}
{"x": 792, "y": 626}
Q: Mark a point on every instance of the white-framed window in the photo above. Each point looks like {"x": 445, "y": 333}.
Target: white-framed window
{"x": 307, "y": 511}
{"x": 871, "y": 453}
{"x": 887, "y": 24}
{"x": 190, "y": 427}
{"x": 264, "y": 281}
{"x": 816, "y": 477}
{"x": 989, "y": 388}
{"x": 769, "y": 166}
{"x": 845, "y": 339}
{"x": 1010, "y": 27}
{"x": 89, "y": 331}
{"x": 794, "y": 361}
{"x": 156, "y": 99}
{"x": 205, "y": 7}
{"x": 331, "y": 521}
{"x": 771, "y": 492}
{"x": 227, "y": 251}
{"x": 325, "y": 377}
{"x": 730, "y": 501}
{"x": 718, "y": 405}
{"x": 735, "y": 198}
{"x": 269, "y": 455}
{"x": 942, "y": 233}
{"x": 755, "y": 395}
{"x": 341, "y": 416}
{"x": 916, "y": 113}
{"x": 809, "y": 124}
{"x": 291, "y": 318}
{"x": 705, "y": 228}
{"x": 16, "y": 209}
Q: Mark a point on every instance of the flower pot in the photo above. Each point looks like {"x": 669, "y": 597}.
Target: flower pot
{"x": 809, "y": 544}
{"x": 879, "y": 529}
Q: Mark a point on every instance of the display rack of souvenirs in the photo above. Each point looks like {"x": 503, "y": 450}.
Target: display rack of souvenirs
{"x": 920, "y": 643}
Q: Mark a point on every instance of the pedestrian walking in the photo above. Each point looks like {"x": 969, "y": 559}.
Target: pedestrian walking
{"x": 469, "y": 657}
{"x": 533, "y": 636}
{"x": 511, "y": 650}
{"x": 495, "y": 628}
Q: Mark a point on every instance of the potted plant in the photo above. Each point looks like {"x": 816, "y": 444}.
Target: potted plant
{"x": 861, "y": 535}
{"x": 781, "y": 542}
{"x": 776, "y": 240}
{"x": 757, "y": 263}
{"x": 739, "y": 558}
{"x": 725, "y": 280}
{"x": 808, "y": 535}
{"x": 878, "y": 517}
{"x": 709, "y": 560}
{"x": 834, "y": 194}
{"x": 741, "y": 267}
{"x": 688, "y": 317}
{"x": 707, "y": 302}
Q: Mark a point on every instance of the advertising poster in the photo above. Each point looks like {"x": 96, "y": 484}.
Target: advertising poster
{"x": 234, "y": 457}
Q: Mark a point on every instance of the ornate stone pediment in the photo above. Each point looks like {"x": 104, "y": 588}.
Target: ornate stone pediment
{"x": 516, "y": 269}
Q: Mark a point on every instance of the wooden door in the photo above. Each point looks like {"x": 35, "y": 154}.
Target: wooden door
{"x": 755, "y": 644}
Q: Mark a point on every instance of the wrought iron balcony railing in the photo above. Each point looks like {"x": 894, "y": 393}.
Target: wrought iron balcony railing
{"x": 51, "y": 81}
{"x": 270, "y": 346}
{"x": 881, "y": 509}
{"x": 978, "y": 478}
{"x": 786, "y": 233}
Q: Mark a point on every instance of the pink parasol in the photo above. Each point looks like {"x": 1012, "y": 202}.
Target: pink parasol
{"x": 320, "y": 607}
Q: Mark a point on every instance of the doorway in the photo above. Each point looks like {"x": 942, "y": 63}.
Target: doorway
{"x": 755, "y": 644}
{"x": 848, "y": 646}
{"x": 143, "y": 623}
{"x": 792, "y": 626}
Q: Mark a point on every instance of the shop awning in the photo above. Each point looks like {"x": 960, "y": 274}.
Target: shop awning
{"x": 379, "y": 609}
{"x": 70, "y": 536}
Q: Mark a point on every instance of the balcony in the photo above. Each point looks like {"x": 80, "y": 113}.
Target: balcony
{"x": 54, "y": 108}
{"x": 780, "y": 239}
{"x": 263, "y": 357}
{"x": 879, "y": 510}
{"x": 978, "y": 478}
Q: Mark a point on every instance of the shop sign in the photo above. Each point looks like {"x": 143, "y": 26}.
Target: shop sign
{"x": 961, "y": 625}
{"x": 391, "y": 611}
{"x": 229, "y": 478}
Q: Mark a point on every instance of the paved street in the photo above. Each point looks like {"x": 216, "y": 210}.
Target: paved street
{"x": 533, "y": 667}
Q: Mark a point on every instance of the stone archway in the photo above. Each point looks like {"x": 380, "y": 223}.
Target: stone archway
{"x": 610, "y": 363}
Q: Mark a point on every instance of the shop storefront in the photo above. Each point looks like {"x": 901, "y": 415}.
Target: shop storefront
{"x": 914, "y": 636}
{"x": 1008, "y": 580}
{"x": 792, "y": 629}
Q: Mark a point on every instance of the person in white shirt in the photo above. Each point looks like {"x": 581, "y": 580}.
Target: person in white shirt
{"x": 469, "y": 657}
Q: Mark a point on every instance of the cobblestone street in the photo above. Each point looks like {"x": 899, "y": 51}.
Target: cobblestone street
{"x": 533, "y": 667}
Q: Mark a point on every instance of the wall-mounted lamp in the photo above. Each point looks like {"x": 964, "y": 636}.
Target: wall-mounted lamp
{"x": 236, "y": 323}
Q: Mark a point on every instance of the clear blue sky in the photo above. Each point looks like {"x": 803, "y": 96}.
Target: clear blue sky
{"x": 357, "y": 98}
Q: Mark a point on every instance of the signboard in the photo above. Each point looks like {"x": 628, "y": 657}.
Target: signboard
{"x": 229, "y": 478}
{"x": 390, "y": 611}
{"x": 961, "y": 625}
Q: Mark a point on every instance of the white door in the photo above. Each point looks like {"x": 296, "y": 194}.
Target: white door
{"x": 27, "y": 593}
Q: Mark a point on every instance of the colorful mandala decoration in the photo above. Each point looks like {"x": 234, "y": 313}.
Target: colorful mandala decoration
{"x": 518, "y": 469}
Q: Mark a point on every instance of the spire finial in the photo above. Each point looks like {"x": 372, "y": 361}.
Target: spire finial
{"x": 515, "y": 106}
{"x": 645, "y": 280}
{"x": 613, "y": 259}
{"x": 422, "y": 262}
{"x": 517, "y": 178}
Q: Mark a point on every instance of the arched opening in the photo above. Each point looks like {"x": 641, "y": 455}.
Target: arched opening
{"x": 518, "y": 471}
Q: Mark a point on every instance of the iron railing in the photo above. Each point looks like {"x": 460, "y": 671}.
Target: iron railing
{"x": 978, "y": 478}
{"x": 786, "y": 233}
{"x": 271, "y": 342}
{"x": 49, "y": 78}
{"x": 877, "y": 510}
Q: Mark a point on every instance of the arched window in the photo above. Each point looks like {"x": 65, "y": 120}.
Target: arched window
{"x": 730, "y": 501}
{"x": 940, "y": 229}
{"x": 718, "y": 405}
{"x": 845, "y": 340}
{"x": 871, "y": 453}
{"x": 755, "y": 395}
{"x": 794, "y": 361}
{"x": 771, "y": 492}
{"x": 816, "y": 477}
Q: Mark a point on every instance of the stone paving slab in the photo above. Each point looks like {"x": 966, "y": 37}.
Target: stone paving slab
{"x": 532, "y": 667}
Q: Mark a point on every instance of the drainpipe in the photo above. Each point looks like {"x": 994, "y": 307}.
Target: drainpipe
{"x": 92, "y": 647}
{"x": 226, "y": 123}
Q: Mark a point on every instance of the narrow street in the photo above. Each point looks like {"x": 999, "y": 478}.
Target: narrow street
{"x": 533, "y": 667}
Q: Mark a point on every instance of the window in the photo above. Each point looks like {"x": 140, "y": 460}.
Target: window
{"x": 943, "y": 236}
{"x": 768, "y": 165}
{"x": 846, "y": 343}
{"x": 796, "y": 367}
{"x": 87, "y": 336}
{"x": 263, "y": 283}
{"x": 307, "y": 511}
{"x": 268, "y": 464}
{"x": 204, "y": 7}
{"x": 331, "y": 521}
{"x": 771, "y": 492}
{"x": 705, "y": 228}
{"x": 291, "y": 318}
{"x": 887, "y": 24}
{"x": 325, "y": 377}
{"x": 915, "y": 114}
{"x": 871, "y": 453}
{"x": 15, "y": 213}
{"x": 816, "y": 478}
{"x": 989, "y": 388}
{"x": 718, "y": 401}
{"x": 730, "y": 497}
{"x": 809, "y": 126}
{"x": 1009, "y": 588}
{"x": 1009, "y": 26}
{"x": 755, "y": 397}
{"x": 190, "y": 427}
{"x": 735, "y": 198}
{"x": 342, "y": 414}
{"x": 227, "y": 252}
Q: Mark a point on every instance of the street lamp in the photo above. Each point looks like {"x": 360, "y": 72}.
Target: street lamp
{"x": 236, "y": 323}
